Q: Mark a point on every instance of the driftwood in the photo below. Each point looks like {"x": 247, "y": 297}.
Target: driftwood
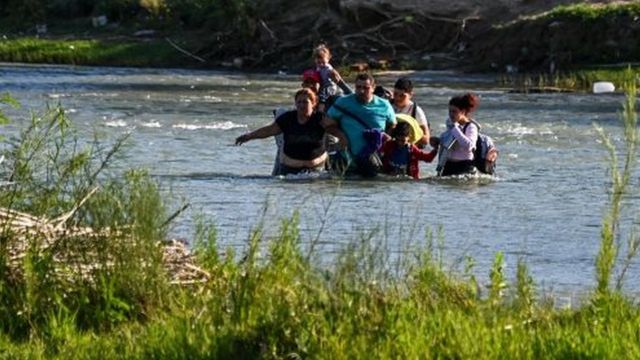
{"x": 23, "y": 233}
{"x": 175, "y": 46}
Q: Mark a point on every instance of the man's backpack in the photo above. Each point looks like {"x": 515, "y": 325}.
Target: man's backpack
{"x": 485, "y": 154}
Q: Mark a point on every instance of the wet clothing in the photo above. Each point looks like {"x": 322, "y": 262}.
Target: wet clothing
{"x": 404, "y": 160}
{"x": 378, "y": 114}
{"x": 465, "y": 142}
{"x": 302, "y": 141}
{"x": 458, "y": 168}
{"x": 458, "y": 143}
{"x": 287, "y": 170}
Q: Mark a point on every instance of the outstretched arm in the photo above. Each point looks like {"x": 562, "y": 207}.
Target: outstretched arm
{"x": 346, "y": 89}
{"x": 261, "y": 133}
{"x": 425, "y": 156}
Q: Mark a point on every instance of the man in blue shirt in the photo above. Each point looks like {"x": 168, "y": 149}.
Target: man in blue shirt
{"x": 352, "y": 112}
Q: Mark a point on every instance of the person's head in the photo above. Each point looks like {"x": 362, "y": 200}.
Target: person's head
{"x": 365, "y": 84}
{"x": 321, "y": 55}
{"x": 402, "y": 91}
{"x": 401, "y": 133}
{"x": 311, "y": 80}
{"x": 382, "y": 92}
{"x": 306, "y": 101}
{"x": 461, "y": 106}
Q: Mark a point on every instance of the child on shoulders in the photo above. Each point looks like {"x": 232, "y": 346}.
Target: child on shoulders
{"x": 330, "y": 79}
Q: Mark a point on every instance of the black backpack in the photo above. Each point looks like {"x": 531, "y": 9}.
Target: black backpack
{"x": 485, "y": 154}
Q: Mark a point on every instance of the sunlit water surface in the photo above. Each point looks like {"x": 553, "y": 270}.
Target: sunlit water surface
{"x": 545, "y": 206}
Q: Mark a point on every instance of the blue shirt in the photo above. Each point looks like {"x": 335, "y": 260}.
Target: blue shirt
{"x": 378, "y": 113}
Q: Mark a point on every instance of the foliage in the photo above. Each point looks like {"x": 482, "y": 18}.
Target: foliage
{"x": 89, "y": 52}
{"x": 586, "y": 12}
{"x": 273, "y": 300}
{"x": 621, "y": 171}
{"x": 107, "y": 271}
{"x": 219, "y": 15}
{"x": 575, "y": 80}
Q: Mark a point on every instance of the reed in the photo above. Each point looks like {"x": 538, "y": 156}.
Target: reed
{"x": 622, "y": 163}
{"x": 79, "y": 244}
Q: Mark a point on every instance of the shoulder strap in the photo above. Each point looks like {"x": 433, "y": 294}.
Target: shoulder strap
{"x": 352, "y": 115}
{"x": 464, "y": 128}
{"x": 413, "y": 111}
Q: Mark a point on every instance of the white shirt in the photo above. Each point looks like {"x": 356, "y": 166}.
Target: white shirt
{"x": 420, "y": 115}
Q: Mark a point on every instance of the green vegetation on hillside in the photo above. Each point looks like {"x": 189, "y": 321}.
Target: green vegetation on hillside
{"x": 256, "y": 35}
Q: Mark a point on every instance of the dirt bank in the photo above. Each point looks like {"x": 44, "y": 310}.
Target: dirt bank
{"x": 428, "y": 34}
{"x": 475, "y": 35}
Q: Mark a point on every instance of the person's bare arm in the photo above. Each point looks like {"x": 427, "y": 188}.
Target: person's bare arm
{"x": 261, "y": 133}
{"x": 427, "y": 135}
{"x": 331, "y": 126}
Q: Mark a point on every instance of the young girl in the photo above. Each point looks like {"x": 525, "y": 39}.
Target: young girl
{"x": 400, "y": 157}
{"x": 330, "y": 79}
{"x": 459, "y": 159}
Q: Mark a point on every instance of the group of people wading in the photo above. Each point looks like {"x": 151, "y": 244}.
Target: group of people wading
{"x": 364, "y": 130}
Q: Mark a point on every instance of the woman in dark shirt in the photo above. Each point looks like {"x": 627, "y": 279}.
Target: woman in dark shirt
{"x": 303, "y": 130}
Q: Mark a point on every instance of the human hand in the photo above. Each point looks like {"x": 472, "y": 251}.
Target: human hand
{"x": 242, "y": 139}
{"x": 434, "y": 141}
{"x": 336, "y": 76}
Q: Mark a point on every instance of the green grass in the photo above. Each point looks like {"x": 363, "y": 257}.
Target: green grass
{"x": 589, "y": 12}
{"x": 575, "y": 80}
{"x": 272, "y": 300}
{"x": 155, "y": 53}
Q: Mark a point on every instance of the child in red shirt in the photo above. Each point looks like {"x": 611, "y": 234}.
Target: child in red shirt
{"x": 400, "y": 157}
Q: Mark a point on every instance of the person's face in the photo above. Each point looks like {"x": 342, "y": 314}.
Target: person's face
{"x": 364, "y": 90}
{"x": 322, "y": 59}
{"x": 402, "y": 140}
{"x": 455, "y": 114}
{"x": 401, "y": 97}
{"x": 304, "y": 105}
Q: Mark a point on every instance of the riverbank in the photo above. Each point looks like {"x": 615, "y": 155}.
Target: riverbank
{"x": 550, "y": 40}
{"x": 107, "y": 293}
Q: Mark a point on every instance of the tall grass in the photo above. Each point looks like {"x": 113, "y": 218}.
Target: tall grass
{"x": 575, "y": 80}
{"x": 274, "y": 299}
{"x": 621, "y": 171}
{"x": 97, "y": 263}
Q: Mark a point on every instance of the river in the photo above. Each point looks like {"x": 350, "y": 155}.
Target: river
{"x": 545, "y": 206}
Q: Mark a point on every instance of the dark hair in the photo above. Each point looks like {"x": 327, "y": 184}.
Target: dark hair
{"x": 382, "y": 92}
{"x": 402, "y": 129}
{"x": 404, "y": 84}
{"x": 467, "y": 102}
{"x": 310, "y": 94}
{"x": 365, "y": 76}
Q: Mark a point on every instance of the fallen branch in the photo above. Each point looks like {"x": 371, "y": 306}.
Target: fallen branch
{"x": 184, "y": 51}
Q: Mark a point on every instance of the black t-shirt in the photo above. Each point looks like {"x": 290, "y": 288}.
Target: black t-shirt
{"x": 302, "y": 141}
